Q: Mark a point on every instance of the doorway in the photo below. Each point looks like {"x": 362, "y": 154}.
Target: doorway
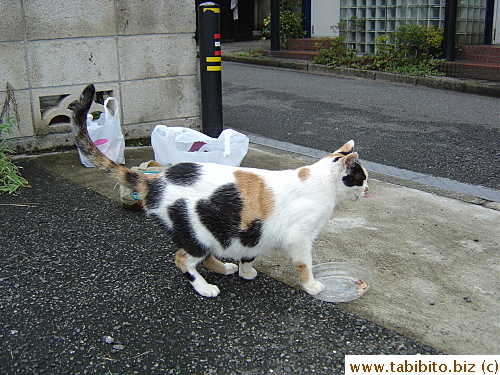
{"x": 325, "y": 15}
{"x": 496, "y": 22}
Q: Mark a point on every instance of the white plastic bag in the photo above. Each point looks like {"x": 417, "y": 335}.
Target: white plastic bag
{"x": 106, "y": 133}
{"x": 172, "y": 145}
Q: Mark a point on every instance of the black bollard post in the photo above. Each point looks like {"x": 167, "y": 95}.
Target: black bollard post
{"x": 450, "y": 27}
{"x": 210, "y": 69}
{"x": 275, "y": 25}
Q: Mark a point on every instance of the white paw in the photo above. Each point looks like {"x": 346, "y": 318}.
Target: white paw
{"x": 248, "y": 274}
{"x": 207, "y": 290}
{"x": 315, "y": 287}
{"x": 230, "y": 268}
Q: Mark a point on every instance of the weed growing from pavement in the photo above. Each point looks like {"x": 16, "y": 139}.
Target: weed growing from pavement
{"x": 251, "y": 53}
{"x": 10, "y": 176}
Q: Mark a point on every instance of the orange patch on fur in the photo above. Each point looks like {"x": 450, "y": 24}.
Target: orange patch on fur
{"x": 180, "y": 260}
{"x": 142, "y": 186}
{"x": 303, "y": 272}
{"x": 347, "y": 148}
{"x": 215, "y": 265}
{"x": 304, "y": 174}
{"x": 258, "y": 200}
{"x": 343, "y": 151}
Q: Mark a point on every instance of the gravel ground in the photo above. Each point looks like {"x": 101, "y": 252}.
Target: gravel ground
{"x": 89, "y": 288}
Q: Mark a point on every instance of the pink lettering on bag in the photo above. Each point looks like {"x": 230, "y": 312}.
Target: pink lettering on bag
{"x": 100, "y": 142}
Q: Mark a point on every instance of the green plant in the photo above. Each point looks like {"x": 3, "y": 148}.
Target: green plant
{"x": 338, "y": 54}
{"x": 10, "y": 176}
{"x": 410, "y": 50}
{"x": 290, "y": 23}
{"x": 418, "y": 41}
{"x": 352, "y": 24}
{"x": 251, "y": 53}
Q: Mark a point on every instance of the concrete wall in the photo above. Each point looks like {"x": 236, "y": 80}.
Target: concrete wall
{"x": 141, "y": 52}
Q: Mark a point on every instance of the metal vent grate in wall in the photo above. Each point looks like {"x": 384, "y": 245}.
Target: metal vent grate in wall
{"x": 56, "y": 110}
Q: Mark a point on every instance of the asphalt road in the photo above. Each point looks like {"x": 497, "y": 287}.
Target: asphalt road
{"x": 89, "y": 288}
{"x": 437, "y": 132}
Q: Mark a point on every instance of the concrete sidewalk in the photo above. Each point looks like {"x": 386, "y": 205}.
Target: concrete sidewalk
{"x": 434, "y": 258}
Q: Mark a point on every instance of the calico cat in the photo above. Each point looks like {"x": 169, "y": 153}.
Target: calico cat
{"x": 213, "y": 210}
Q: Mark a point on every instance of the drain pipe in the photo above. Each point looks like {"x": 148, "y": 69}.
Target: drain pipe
{"x": 450, "y": 29}
{"x": 210, "y": 69}
{"x": 489, "y": 21}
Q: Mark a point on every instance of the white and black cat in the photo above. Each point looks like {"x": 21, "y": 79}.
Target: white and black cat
{"x": 213, "y": 210}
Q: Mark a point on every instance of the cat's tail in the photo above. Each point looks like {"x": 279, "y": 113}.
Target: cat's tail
{"x": 123, "y": 175}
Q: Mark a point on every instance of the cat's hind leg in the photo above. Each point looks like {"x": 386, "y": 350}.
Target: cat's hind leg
{"x": 246, "y": 269}
{"x": 187, "y": 263}
{"x": 216, "y": 265}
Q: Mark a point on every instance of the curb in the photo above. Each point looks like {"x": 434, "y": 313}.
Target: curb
{"x": 479, "y": 87}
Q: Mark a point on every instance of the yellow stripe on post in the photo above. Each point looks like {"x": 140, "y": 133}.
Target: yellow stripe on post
{"x": 214, "y": 59}
{"x": 216, "y": 68}
{"x": 215, "y": 10}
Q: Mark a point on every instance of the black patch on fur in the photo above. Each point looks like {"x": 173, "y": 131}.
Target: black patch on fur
{"x": 154, "y": 196}
{"x": 356, "y": 176}
{"x": 251, "y": 236}
{"x": 184, "y": 174}
{"x": 131, "y": 178}
{"x": 220, "y": 213}
{"x": 188, "y": 276}
{"x": 182, "y": 232}
{"x": 158, "y": 220}
{"x": 247, "y": 260}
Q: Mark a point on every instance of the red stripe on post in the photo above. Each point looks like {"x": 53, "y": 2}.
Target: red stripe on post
{"x": 216, "y": 36}
{"x": 217, "y": 53}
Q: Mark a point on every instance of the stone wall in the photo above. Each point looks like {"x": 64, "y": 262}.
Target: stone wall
{"x": 141, "y": 52}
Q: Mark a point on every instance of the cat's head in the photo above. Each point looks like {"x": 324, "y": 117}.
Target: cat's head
{"x": 352, "y": 183}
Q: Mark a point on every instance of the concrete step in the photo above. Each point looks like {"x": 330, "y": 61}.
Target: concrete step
{"x": 484, "y": 52}
{"x": 472, "y": 69}
{"x": 307, "y": 44}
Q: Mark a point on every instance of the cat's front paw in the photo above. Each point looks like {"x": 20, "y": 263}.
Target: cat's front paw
{"x": 314, "y": 288}
{"x": 207, "y": 290}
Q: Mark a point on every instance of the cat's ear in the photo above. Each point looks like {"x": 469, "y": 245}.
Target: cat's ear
{"x": 349, "y": 160}
{"x": 346, "y": 149}
{"x": 341, "y": 152}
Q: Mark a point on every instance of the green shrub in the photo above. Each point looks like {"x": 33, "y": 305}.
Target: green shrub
{"x": 410, "y": 50}
{"x": 290, "y": 23}
{"x": 10, "y": 176}
{"x": 338, "y": 54}
{"x": 418, "y": 41}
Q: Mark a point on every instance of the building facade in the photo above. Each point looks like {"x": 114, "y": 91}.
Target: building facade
{"x": 363, "y": 21}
